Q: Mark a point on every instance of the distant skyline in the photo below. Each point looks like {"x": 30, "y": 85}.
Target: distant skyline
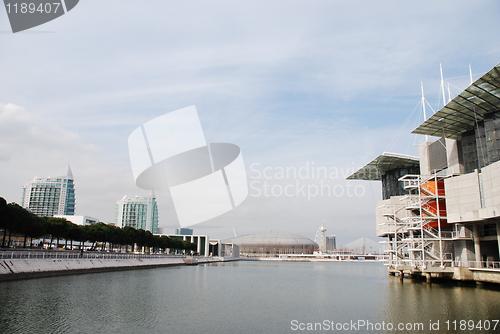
{"x": 323, "y": 86}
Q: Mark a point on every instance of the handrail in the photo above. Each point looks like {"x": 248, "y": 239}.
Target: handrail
{"x": 446, "y": 262}
{"x": 9, "y": 255}
{"x": 462, "y": 234}
{"x": 478, "y": 264}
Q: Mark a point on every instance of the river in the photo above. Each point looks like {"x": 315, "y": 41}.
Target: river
{"x": 246, "y": 297}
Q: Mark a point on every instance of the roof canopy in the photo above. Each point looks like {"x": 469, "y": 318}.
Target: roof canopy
{"x": 462, "y": 113}
{"x": 382, "y": 164}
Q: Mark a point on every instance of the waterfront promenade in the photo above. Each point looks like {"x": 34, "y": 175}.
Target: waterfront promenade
{"x": 16, "y": 264}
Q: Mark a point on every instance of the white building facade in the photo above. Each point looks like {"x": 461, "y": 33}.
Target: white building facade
{"x": 50, "y": 196}
{"x": 79, "y": 220}
{"x": 137, "y": 212}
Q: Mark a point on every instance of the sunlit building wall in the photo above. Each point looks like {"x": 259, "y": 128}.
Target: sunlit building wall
{"x": 50, "y": 196}
{"x": 137, "y": 212}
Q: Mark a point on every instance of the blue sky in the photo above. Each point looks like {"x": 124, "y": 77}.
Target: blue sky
{"x": 291, "y": 82}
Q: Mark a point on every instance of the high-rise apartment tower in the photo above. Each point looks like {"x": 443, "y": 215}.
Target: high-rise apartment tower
{"x": 50, "y": 196}
{"x": 137, "y": 212}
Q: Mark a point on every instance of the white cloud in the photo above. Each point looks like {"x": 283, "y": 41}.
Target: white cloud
{"x": 29, "y": 147}
{"x": 22, "y": 134}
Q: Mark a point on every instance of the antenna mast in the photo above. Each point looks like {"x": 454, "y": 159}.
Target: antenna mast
{"x": 442, "y": 83}
{"x": 423, "y": 107}
{"x": 470, "y": 73}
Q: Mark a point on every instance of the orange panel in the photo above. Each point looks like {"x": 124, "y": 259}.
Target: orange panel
{"x": 434, "y": 223}
{"x": 432, "y": 208}
{"x": 430, "y": 187}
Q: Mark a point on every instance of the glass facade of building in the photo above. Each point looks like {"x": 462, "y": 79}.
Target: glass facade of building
{"x": 391, "y": 186}
{"x": 481, "y": 146}
{"x": 331, "y": 243}
{"x": 184, "y": 231}
{"x": 50, "y": 196}
{"x": 137, "y": 212}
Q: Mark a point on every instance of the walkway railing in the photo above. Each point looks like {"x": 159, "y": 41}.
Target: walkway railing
{"x": 419, "y": 263}
{"x": 478, "y": 264}
{"x": 6, "y": 255}
{"x": 446, "y": 263}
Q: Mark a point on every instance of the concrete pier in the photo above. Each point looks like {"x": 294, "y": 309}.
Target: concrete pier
{"x": 22, "y": 268}
{"x": 428, "y": 277}
{"x": 432, "y": 274}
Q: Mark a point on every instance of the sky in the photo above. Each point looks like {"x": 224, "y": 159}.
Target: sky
{"x": 309, "y": 90}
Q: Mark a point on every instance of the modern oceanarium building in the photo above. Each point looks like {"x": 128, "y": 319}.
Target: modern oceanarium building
{"x": 440, "y": 212}
{"x": 272, "y": 244}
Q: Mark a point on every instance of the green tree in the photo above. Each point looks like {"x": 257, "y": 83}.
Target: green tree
{"x": 176, "y": 244}
{"x": 34, "y": 229}
{"x": 115, "y": 236}
{"x": 189, "y": 246}
{"x": 3, "y": 218}
{"x": 97, "y": 233}
{"x": 17, "y": 220}
{"x": 58, "y": 228}
{"x": 165, "y": 242}
{"x": 144, "y": 238}
{"x": 130, "y": 236}
{"x": 76, "y": 233}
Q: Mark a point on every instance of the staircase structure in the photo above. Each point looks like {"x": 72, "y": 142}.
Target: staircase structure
{"x": 421, "y": 237}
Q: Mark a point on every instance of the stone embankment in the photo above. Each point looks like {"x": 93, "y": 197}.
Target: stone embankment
{"x": 25, "y": 264}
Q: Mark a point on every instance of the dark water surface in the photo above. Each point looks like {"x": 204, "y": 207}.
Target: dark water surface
{"x": 245, "y": 297}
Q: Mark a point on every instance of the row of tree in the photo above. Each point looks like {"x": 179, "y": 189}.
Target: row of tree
{"x": 18, "y": 221}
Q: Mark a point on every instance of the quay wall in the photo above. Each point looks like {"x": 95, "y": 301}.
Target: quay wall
{"x": 15, "y": 269}
{"x": 478, "y": 275}
{"x": 486, "y": 275}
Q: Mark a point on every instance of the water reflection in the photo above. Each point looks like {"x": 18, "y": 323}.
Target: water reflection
{"x": 415, "y": 301}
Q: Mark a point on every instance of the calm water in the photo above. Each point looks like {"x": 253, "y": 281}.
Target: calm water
{"x": 241, "y": 297}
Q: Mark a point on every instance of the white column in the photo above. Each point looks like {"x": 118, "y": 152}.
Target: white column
{"x": 498, "y": 238}
{"x": 477, "y": 245}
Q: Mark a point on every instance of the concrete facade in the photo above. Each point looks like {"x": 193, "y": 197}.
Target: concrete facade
{"x": 225, "y": 251}
{"x": 463, "y": 199}
{"x": 475, "y": 196}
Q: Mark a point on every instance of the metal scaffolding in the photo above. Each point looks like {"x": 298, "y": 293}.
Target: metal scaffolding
{"x": 419, "y": 235}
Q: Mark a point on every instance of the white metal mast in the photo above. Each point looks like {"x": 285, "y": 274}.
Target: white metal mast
{"x": 423, "y": 107}
{"x": 470, "y": 74}
{"x": 442, "y": 83}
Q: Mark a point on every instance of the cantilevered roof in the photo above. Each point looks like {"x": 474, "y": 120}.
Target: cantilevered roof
{"x": 382, "y": 164}
{"x": 462, "y": 113}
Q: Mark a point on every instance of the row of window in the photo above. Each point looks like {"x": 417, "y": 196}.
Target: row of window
{"x": 481, "y": 146}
